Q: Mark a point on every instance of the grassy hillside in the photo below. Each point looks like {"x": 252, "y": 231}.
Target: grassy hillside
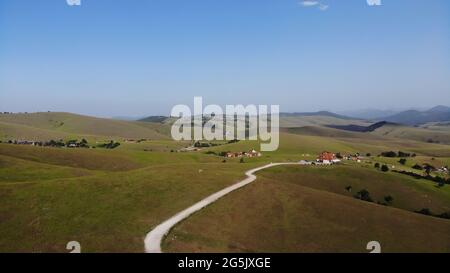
{"x": 413, "y": 133}
{"x": 109, "y": 199}
{"x": 301, "y": 121}
{"x": 9, "y": 131}
{"x": 66, "y": 124}
{"x": 78, "y": 158}
{"x": 296, "y": 209}
{"x": 327, "y": 132}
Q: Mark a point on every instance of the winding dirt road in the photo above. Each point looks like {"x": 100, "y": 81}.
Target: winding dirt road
{"x": 154, "y": 238}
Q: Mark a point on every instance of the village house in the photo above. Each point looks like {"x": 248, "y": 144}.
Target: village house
{"x": 327, "y": 158}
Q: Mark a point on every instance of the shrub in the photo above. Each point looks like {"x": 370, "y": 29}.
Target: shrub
{"x": 388, "y": 199}
{"x": 384, "y": 168}
{"x": 377, "y": 165}
{"x": 424, "y": 211}
{"x": 402, "y": 161}
{"x": 417, "y": 167}
{"x": 445, "y": 215}
{"x": 241, "y": 161}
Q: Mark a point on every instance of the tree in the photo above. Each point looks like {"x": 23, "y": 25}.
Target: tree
{"x": 389, "y": 154}
{"x": 402, "y": 161}
{"x": 84, "y": 143}
{"x": 384, "y": 168}
{"x": 403, "y": 154}
{"x": 364, "y": 195}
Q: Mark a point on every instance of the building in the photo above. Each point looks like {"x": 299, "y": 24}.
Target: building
{"x": 326, "y": 157}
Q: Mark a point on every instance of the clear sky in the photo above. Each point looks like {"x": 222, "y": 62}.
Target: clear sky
{"x": 141, "y": 57}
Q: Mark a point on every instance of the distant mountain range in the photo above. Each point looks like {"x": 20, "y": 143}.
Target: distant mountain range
{"x": 369, "y": 114}
{"x": 315, "y": 114}
{"x": 410, "y": 117}
{"x": 413, "y": 117}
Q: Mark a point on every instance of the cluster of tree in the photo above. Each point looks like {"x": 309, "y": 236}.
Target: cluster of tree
{"x": 395, "y": 154}
{"x": 109, "y": 145}
{"x": 438, "y": 179}
{"x": 383, "y": 168}
{"x": 426, "y": 211}
{"x": 365, "y": 196}
{"x": 55, "y": 143}
{"x": 427, "y": 167}
{"x": 199, "y": 144}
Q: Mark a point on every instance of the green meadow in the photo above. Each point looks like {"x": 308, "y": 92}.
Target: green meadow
{"x": 109, "y": 199}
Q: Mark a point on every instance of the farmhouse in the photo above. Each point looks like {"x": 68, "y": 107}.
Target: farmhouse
{"x": 327, "y": 158}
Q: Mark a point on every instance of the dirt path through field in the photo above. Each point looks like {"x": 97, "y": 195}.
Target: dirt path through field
{"x": 154, "y": 238}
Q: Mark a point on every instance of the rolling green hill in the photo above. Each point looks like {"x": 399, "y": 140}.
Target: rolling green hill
{"x": 413, "y": 133}
{"x": 43, "y": 126}
{"x": 109, "y": 199}
{"x": 291, "y": 121}
{"x": 304, "y": 209}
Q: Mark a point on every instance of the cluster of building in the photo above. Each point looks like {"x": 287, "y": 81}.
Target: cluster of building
{"x": 27, "y": 142}
{"x": 331, "y": 158}
{"x": 51, "y": 143}
{"x": 251, "y": 153}
{"x": 327, "y": 158}
{"x": 354, "y": 157}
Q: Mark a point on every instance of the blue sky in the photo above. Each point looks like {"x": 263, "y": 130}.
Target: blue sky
{"x": 141, "y": 57}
